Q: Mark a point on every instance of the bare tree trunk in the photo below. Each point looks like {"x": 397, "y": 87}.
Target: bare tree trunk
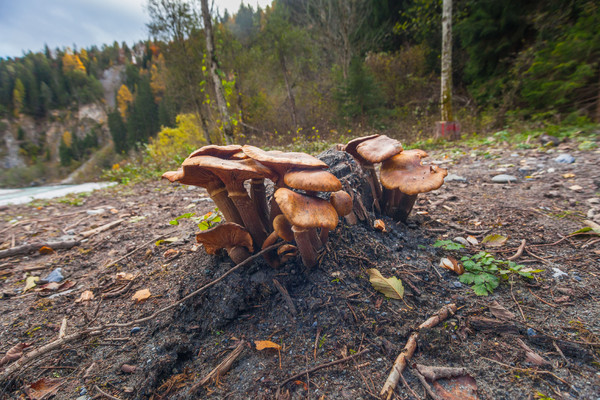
{"x": 446, "y": 89}
{"x": 289, "y": 90}
{"x": 212, "y": 59}
{"x": 598, "y": 100}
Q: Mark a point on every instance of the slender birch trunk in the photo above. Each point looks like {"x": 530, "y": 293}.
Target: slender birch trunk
{"x": 446, "y": 89}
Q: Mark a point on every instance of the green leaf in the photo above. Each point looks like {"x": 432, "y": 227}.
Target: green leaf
{"x": 494, "y": 240}
{"x": 480, "y": 290}
{"x": 448, "y": 245}
{"x": 390, "y": 287}
{"x": 176, "y": 220}
{"x": 467, "y": 278}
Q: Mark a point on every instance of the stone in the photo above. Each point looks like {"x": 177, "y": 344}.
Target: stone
{"x": 565, "y": 159}
{"x": 454, "y": 178}
{"x": 504, "y": 178}
{"x": 55, "y": 276}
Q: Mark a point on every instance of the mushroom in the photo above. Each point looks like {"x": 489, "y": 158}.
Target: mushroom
{"x": 232, "y": 151}
{"x": 229, "y": 236}
{"x": 233, "y": 173}
{"x": 370, "y": 150}
{"x": 405, "y": 177}
{"x": 286, "y": 252}
{"x": 192, "y": 175}
{"x": 342, "y": 203}
{"x": 281, "y": 229}
{"x": 280, "y": 162}
{"x": 306, "y": 213}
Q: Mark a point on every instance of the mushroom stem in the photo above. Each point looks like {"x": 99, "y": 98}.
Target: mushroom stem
{"x": 218, "y": 193}
{"x": 259, "y": 197}
{"x": 314, "y": 239}
{"x": 238, "y": 254}
{"x": 251, "y": 219}
{"x": 374, "y": 183}
{"x": 403, "y": 205}
{"x": 305, "y": 247}
{"x": 388, "y": 198}
{"x": 324, "y": 236}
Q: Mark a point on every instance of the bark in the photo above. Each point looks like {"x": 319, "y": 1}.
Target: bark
{"x": 213, "y": 66}
{"x": 446, "y": 86}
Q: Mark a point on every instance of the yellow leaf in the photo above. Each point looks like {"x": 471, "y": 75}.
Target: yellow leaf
{"x": 85, "y": 296}
{"x": 390, "y": 287}
{"x": 30, "y": 282}
{"x": 141, "y": 295}
{"x": 266, "y": 344}
{"x": 494, "y": 240}
{"x": 46, "y": 250}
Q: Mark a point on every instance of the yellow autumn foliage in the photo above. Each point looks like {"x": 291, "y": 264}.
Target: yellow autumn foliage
{"x": 124, "y": 98}
{"x": 157, "y": 78}
{"x": 179, "y": 141}
{"x": 67, "y": 138}
{"x": 71, "y": 62}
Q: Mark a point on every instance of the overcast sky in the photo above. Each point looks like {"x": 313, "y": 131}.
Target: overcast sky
{"x": 29, "y": 24}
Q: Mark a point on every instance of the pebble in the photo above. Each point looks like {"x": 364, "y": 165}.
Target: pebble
{"x": 558, "y": 273}
{"x": 455, "y": 178}
{"x": 457, "y": 284}
{"x": 527, "y": 170}
{"x": 565, "y": 159}
{"x": 83, "y": 391}
{"x": 503, "y": 178}
{"x": 461, "y": 240}
{"x": 135, "y": 330}
{"x": 55, "y": 276}
{"x": 577, "y": 278}
{"x": 531, "y": 332}
{"x": 552, "y": 194}
{"x": 84, "y": 397}
{"x": 95, "y": 212}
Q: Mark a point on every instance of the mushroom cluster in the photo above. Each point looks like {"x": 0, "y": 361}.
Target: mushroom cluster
{"x": 295, "y": 211}
{"x": 402, "y": 174}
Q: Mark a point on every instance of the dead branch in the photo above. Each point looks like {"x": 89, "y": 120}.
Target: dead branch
{"x": 425, "y": 385}
{"x": 221, "y": 369}
{"x": 519, "y": 251}
{"x": 100, "y": 229}
{"x": 408, "y": 351}
{"x": 33, "y": 247}
{"x": 434, "y": 373}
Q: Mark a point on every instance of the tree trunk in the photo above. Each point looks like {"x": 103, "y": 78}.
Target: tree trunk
{"x": 446, "y": 87}
{"x": 212, "y": 59}
{"x": 289, "y": 90}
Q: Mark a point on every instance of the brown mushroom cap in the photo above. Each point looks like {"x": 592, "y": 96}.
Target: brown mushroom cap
{"x": 230, "y": 170}
{"x": 225, "y": 236}
{"x": 306, "y": 211}
{"x": 342, "y": 202}
{"x": 405, "y": 173}
{"x": 315, "y": 180}
{"x": 283, "y": 228}
{"x": 353, "y": 144}
{"x": 282, "y": 161}
{"x": 191, "y": 175}
{"x": 379, "y": 149}
{"x": 217, "y": 151}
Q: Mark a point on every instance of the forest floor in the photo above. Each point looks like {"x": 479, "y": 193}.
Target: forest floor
{"x": 530, "y": 338}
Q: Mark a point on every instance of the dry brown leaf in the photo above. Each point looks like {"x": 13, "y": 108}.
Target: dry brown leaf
{"x": 266, "y": 344}
{"x": 125, "y": 276}
{"x": 46, "y": 250}
{"x": 128, "y": 369}
{"x": 44, "y": 388}
{"x": 55, "y": 286}
{"x": 30, "y": 282}
{"x": 391, "y": 287}
{"x": 472, "y": 240}
{"x": 379, "y": 225}
{"x": 85, "y": 296}
{"x": 500, "y": 312}
{"x": 14, "y": 353}
{"x": 141, "y": 295}
{"x": 170, "y": 254}
{"x": 451, "y": 264}
{"x": 567, "y": 176}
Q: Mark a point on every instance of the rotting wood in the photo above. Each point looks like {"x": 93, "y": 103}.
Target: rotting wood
{"x": 408, "y": 351}
{"x": 33, "y": 247}
{"x": 425, "y": 384}
{"x": 221, "y": 369}
{"x": 101, "y": 229}
{"x": 433, "y": 373}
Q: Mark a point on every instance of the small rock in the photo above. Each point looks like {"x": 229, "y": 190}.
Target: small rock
{"x": 135, "y": 330}
{"x": 128, "y": 369}
{"x": 503, "y": 178}
{"x": 552, "y": 194}
{"x": 551, "y": 170}
{"x": 565, "y": 159}
{"x": 593, "y": 200}
{"x": 527, "y": 170}
{"x": 558, "y": 273}
{"x": 457, "y": 284}
{"x": 531, "y": 332}
{"x": 83, "y": 391}
{"x": 577, "y": 277}
{"x": 461, "y": 240}
{"x": 576, "y": 188}
{"x": 96, "y": 211}
{"x": 454, "y": 178}
{"x": 55, "y": 276}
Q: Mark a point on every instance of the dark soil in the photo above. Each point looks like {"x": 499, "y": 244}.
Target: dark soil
{"x": 337, "y": 311}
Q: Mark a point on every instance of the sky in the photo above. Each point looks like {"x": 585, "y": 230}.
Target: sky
{"x": 29, "y": 24}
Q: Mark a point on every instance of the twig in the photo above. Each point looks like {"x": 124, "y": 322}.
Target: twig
{"x": 542, "y": 300}
{"x": 221, "y": 369}
{"x": 529, "y": 370}
{"x": 100, "y": 229}
{"x": 416, "y": 396}
{"x": 318, "y": 367}
{"x": 428, "y": 389}
{"x": 63, "y": 328}
{"x": 103, "y": 393}
{"x": 517, "y": 303}
{"x": 286, "y": 296}
{"x": 30, "y": 248}
{"x": 519, "y": 251}
{"x": 138, "y": 248}
{"x": 408, "y": 351}
{"x": 119, "y": 292}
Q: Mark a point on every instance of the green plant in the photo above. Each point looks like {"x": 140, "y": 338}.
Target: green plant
{"x": 448, "y": 245}
{"x": 482, "y": 271}
{"x": 204, "y": 222}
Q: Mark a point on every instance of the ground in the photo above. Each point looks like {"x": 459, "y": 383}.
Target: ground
{"x": 336, "y": 310}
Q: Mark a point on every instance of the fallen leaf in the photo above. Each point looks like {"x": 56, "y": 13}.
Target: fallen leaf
{"x": 46, "y": 250}
{"x": 390, "y": 287}
{"x": 472, "y": 240}
{"x": 266, "y": 344}
{"x": 167, "y": 240}
{"x": 85, "y": 296}
{"x": 141, "y": 295}
{"x": 44, "y": 388}
{"x": 457, "y": 388}
{"x": 14, "y": 353}
{"x": 451, "y": 264}
{"x": 500, "y": 312}
{"x": 55, "y": 286}
{"x": 567, "y": 176}
{"x": 300, "y": 383}
{"x": 30, "y": 282}
{"x": 379, "y": 225}
{"x": 128, "y": 369}
{"x": 171, "y": 253}
{"x": 575, "y": 188}
{"x": 595, "y": 227}
{"x": 125, "y": 276}
{"x": 494, "y": 240}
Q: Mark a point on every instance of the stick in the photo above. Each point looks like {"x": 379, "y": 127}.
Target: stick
{"x": 102, "y": 228}
{"x": 428, "y": 389}
{"x": 286, "y": 296}
{"x": 408, "y": 351}
{"x": 103, "y": 393}
{"x": 519, "y": 251}
{"x": 221, "y": 369}
{"x": 30, "y": 248}
{"x": 119, "y": 292}
{"x": 318, "y": 367}
{"x": 529, "y": 370}
{"x": 63, "y": 328}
